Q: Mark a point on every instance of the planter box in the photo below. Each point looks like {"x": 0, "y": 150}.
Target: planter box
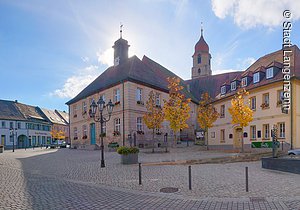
{"x": 282, "y": 164}
{"x": 130, "y": 158}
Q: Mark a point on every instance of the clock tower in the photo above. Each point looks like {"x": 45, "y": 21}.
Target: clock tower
{"x": 120, "y": 50}
{"x": 201, "y": 59}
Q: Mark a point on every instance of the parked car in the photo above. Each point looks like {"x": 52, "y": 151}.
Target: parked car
{"x": 294, "y": 152}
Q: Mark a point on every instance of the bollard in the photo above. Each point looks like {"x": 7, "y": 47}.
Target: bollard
{"x": 140, "y": 174}
{"x": 246, "y": 170}
{"x": 190, "y": 178}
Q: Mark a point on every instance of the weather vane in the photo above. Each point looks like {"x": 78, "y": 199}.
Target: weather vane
{"x": 121, "y": 26}
{"x": 201, "y": 28}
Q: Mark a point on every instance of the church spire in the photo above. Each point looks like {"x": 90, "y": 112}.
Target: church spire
{"x": 201, "y": 58}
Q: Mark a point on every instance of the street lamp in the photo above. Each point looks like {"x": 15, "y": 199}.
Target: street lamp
{"x": 101, "y": 119}
{"x": 13, "y": 136}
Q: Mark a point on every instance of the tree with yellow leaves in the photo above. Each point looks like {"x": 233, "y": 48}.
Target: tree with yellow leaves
{"x": 154, "y": 116}
{"x": 240, "y": 112}
{"x": 207, "y": 114}
{"x": 176, "y": 109}
{"x": 57, "y": 134}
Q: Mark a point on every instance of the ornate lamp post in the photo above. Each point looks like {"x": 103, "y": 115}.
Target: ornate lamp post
{"x": 101, "y": 119}
{"x": 12, "y": 131}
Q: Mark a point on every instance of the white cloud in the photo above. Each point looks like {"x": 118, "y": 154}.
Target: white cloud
{"x": 106, "y": 57}
{"x": 249, "y": 14}
{"x": 77, "y": 83}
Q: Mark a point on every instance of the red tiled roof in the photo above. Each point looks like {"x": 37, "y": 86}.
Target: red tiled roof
{"x": 272, "y": 59}
{"x": 201, "y": 45}
{"x": 210, "y": 84}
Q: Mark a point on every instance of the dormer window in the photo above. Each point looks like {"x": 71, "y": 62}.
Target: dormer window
{"x": 233, "y": 85}
{"x": 270, "y": 73}
{"x": 244, "y": 82}
{"x": 223, "y": 90}
{"x": 256, "y": 77}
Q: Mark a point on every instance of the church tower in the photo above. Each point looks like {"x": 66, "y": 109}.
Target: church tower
{"x": 201, "y": 59}
{"x": 120, "y": 50}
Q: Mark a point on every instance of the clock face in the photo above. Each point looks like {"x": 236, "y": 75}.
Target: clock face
{"x": 116, "y": 61}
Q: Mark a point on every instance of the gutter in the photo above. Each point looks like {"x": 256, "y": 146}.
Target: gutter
{"x": 123, "y": 124}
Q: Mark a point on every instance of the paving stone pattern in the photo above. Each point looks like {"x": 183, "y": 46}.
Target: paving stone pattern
{"x": 73, "y": 179}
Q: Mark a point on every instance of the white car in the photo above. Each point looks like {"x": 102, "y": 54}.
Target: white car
{"x": 294, "y": 152}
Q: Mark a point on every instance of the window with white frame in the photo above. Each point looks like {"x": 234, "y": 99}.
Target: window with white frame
{"x": 117, "y": 122}
{"x": 84, "y": 107}
{"x": 75, "y": 133}
{"x": 222, "y": 111}
{"x": 11, "y": 125}
{"x": 281, "y": 130}
{"x": 138, "y": 95}
{"x": 266, "y": 99}
{"x": 74, "y": 110}
{"x": 19, "y": 125}
{"x": 269, "y": 73}
{"x": 252, "y": 132}
{"x": 139, "y": 124}
{"x": 253, "y": 103}
{"x": 157, "y": 99}
{"x": 233, "y": 85}
{"x": 84, "y": 131}
{"x": 117, "y": 95}
{"x": 244, "y": 82}
{"x": 3, "y": 124}
{"x": 103, "y": 97}
{"x": 266, "y": 131}
{"x": 256, "y": 77}
{"x": 223, "y": 90}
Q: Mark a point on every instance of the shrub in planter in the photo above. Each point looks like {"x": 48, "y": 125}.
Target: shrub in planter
{"x": 129, "y": 155}
{"x": 1, "y": 148}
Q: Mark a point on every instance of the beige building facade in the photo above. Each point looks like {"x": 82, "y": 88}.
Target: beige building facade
{"x": 127, "y": 84}
{"x": 266, "y": 99}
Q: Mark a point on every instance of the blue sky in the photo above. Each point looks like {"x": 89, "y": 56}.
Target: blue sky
{"x": 50, "y": 50}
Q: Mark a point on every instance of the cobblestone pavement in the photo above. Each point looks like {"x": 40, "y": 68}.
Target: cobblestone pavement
{"x": 73, "y": 179}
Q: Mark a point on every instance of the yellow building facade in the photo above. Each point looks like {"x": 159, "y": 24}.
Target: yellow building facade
{"x": 265, "y": 99}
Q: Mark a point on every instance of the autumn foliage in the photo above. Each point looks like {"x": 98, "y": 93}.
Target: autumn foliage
{"x": 177, "y": 108}
{"x": 154, "y": 116}
{"x": 207, "y": 114}
{"x": 57, "y": 134}
{"x": 240, "y": 112}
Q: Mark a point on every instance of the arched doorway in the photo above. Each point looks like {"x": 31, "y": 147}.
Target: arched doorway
{"x": 22, "y": 141}
{"x": 238, "y": 138}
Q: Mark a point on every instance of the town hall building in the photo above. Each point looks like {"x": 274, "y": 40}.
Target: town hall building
{"x": 129, "y": 81}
